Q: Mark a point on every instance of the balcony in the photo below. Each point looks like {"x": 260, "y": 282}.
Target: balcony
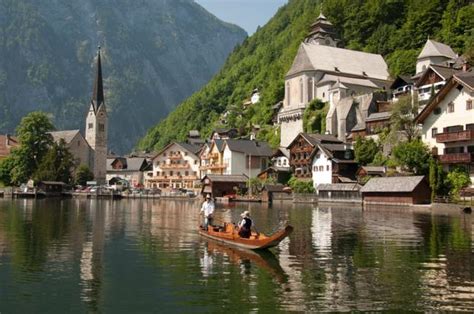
{"x": 175, "y": 156}
{"x": 455, "y": 136}
{"x": 213, "y": 167}
{"x": 174, "y": 166}
{"x": 172, "y": 178}
{"x": 459, "y": 158}
{"x": 210, "y": 156}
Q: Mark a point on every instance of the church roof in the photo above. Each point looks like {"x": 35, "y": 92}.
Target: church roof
{"x": 346, "y": 80}
{"x": 435, "y": 49}
{"x": 98, "y": 90}
{"x": 67, "y": 135}
{"x": 313, "y": 57}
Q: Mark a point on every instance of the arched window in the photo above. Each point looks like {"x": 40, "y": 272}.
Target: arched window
{"x": 310, "y": 89}
{"x": 301, "y": 91}
{"x": 288, "y": 93}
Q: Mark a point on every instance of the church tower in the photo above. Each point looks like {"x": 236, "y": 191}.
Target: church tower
{"x": 322, "y": 32}
{"x": 96, "y": 127}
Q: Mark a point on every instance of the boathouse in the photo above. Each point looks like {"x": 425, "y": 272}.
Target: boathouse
{"x": 339, "y": 193}
{"x": 223, "y": 185}
{"x": 397, "y": 191}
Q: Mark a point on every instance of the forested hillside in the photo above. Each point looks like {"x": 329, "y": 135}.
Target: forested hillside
{"x": 156, "y": 53}
{"x": 397, "y": 29}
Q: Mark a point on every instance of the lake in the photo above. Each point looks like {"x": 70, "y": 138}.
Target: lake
{"x": 142, "y": 256}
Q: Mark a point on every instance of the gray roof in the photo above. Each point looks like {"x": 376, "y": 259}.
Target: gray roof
{"x": 376, "y": 169}
{"x": 226, "y": 178}
{"x": 67, "y": 135}
{"x": 254, "y": 148}
{"x": 338, "y": 187}
{"x": 392, "y": 184}
{"x": 443, "y": 71}
{"x": 376, "y": 116}
{"x": 190, "y": 147}
{"x": 219, "y": 144}
{"x": 315, "y": 138}
{"x": 436, "y": 49}
{"x": 467, "y": 78}
{"x": 313, "y": 57}
{"x": 132, "y": 164}
{"x": 347, "y": 80}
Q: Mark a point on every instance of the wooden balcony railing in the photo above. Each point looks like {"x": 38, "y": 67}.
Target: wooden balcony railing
{"x": 213, "y": 167}
{"x": 174, "y": 166}
{"x": 172, "y": 178}
{"x": 455, "y": 136}
{"x": 459, "y": 158}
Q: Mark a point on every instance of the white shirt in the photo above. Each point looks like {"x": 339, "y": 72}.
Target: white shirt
{"x": 207, "y": 208}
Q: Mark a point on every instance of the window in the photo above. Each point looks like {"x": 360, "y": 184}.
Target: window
{"x": 469, "y": 104}
{"x": 327, "y": 167}
{"x": 90, "y": 126}
{"x": 288, "y": 94}
{"x": 101, "y": 127}
{"x": 185, "y": 154}
{"x": 186, "y": 173}
{"x": 451, "y": 107}
{"x": 321, "y": 168}
{"x": 171, "y": 173}
{"x": 195, "y": 162}
{"x": 301, "y": 91}
{"x": 470, "y": 126}
{"x": 310, "y": 89}
{"x": 437, "y": 111}
{"x": 315, "y": 168}
{"x": 434, "y": 131}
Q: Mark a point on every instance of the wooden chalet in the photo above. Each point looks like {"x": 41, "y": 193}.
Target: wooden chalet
{"x": 300, "y": 152}
{"x": 223, "y": 185}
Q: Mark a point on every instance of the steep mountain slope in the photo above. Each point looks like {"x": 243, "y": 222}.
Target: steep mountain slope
{"x": 397, "y": 29}
{"x": 155, "y": 54}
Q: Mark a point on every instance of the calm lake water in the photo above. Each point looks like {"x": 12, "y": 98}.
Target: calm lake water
{"x": 146, "y": 256}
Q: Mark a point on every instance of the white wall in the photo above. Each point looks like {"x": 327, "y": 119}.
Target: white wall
{"x": 324, "y": 169}
{"x": 289, "y": 131}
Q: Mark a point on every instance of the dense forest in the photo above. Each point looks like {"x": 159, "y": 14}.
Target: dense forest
{"x": 156, "y": 53}
{"x": 397, "y": 29}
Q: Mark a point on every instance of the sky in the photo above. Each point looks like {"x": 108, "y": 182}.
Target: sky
{"x": 248, "y": 14}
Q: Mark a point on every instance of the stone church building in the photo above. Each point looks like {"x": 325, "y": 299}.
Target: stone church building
{"x": 91, "y": 150}
{"x": 325, "y": 71}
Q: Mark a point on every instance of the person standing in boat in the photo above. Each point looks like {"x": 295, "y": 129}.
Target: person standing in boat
{"x": 245, "y": 225}
{"x": 207, "y": 209}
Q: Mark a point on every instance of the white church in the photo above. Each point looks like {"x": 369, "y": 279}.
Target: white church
{"x": 91, "y": 150}
{"x": 323, "y": 70}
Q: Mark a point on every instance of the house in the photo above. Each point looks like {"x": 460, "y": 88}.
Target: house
{"x": 448, "y": 123}
{"x": 91, "y": 149}
{"x": 402, "y": 86}
{"x": 323, "y": 70}
{"x": 372, "y": 171}
{"x": 131, "y": 169}
{"x": 374, "y": 122}
{"x": 194, "y": 138}
{"x": 175, "y": 166}
{"x": 77, "y": 145}
{"x": 51, "y": 188}
{"x": 300, "y": 152}
{"x": 222, "y": 134}
{"x": 222, "y": 185}
{"x": 7, "y": 142}
{"x": 279, "y": 170}
{"x": 333, "y": 163}
{"x": 397, "y": 191}
{"x": 211, "y": 157}
{"x": 434, "y": 52}
{"x": 431, "y": 81}
{"x": 248, "y": 157}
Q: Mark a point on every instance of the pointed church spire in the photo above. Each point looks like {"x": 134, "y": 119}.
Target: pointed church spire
{"x": 98, "y": 92}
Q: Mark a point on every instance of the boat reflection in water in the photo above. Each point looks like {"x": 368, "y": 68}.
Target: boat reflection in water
{"x": 263, "y": 259}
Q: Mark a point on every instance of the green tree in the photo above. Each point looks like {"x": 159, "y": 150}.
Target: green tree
{"x": 458, "y": 178}
{"x": 402, "y": 119}
{"x": 82, "y": 175}
{"x": 413, "y": 156}
{"x": 365, "y": 150}
{"x": 35, "y": 142}
{"x": 57, "y": 165}
{"x": 301, "y": 186}
{"x": 6, "y": 167}
{"x": 314, "y": 117}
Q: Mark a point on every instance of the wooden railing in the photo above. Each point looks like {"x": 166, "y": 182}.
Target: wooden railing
{"x": 459, "y": 158}
{"x": 174, "y": 166}
{"x": 455, "y": 136}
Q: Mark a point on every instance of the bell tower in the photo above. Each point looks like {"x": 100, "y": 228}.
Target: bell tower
{"x": 322, "y": 32}
{"x": 96, "y": 127}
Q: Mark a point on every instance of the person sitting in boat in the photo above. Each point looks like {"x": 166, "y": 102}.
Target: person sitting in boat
{"x": 207, "y": 209}
{"x": 245, "y": 225}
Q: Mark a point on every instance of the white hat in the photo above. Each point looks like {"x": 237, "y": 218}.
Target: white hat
{"x": 245, "y": 214}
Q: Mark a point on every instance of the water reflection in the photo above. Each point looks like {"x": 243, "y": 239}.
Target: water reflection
{"x": 96, "y": 256}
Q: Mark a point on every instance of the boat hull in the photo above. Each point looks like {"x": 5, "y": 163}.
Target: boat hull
{"x": 260, "y": 242}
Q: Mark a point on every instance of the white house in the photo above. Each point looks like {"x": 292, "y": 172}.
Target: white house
{"x": 333, "y": 163}
{"x": 245, "y": 157}
{"x": 434, "y": 52}
{"x": 176, "y": 166}
{"x": 448, "y": 123}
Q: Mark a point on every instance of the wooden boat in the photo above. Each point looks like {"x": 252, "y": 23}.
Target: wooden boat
{"x": 228, "y": 234}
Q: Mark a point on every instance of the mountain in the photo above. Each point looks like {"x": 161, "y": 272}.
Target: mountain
{"x": 156, "y": 53}
{"x": 397, "y": 29}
